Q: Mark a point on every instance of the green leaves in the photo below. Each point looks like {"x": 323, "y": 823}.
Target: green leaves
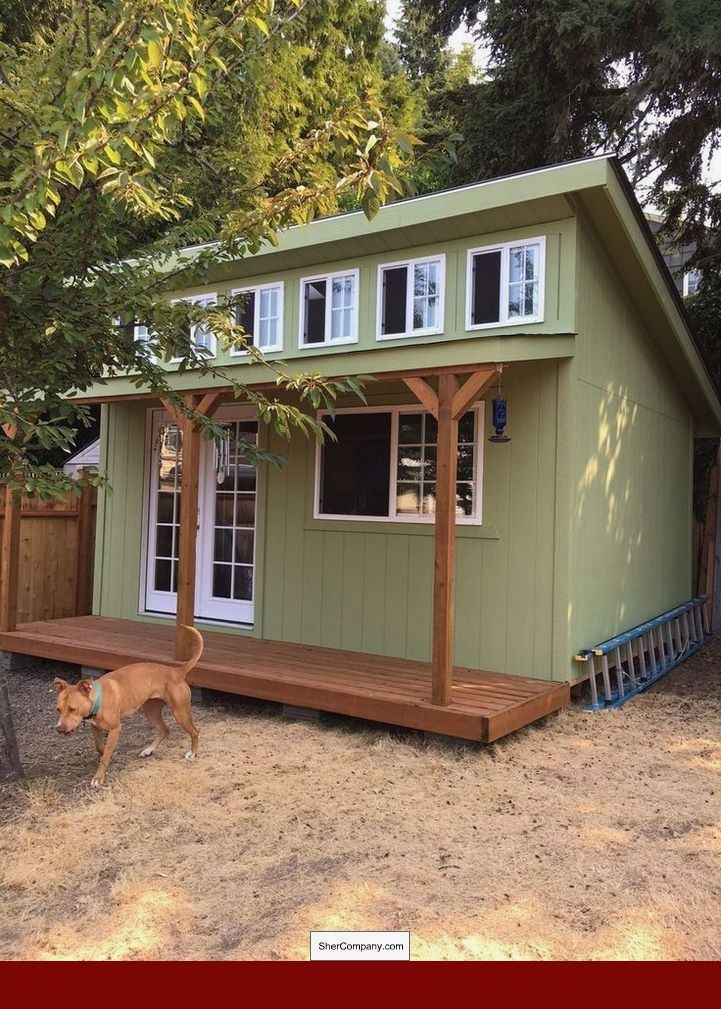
{"x": 179, "y": 124}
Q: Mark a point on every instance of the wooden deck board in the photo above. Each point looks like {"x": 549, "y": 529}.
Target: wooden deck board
{"x": 485, "y": 706}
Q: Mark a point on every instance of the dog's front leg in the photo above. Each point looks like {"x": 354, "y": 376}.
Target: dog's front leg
{"x": 110, "y": 744}
{"x": 99, "y": 737}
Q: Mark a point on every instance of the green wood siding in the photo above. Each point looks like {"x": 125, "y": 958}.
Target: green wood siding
{"x": 365, "y": 585}
{"x": 630, "y": 522}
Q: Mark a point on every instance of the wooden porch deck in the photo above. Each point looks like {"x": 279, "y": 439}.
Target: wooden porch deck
{"x": 485, "y": 706}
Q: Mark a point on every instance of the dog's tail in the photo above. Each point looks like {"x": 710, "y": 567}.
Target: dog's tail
{"x": 182, "y": 671}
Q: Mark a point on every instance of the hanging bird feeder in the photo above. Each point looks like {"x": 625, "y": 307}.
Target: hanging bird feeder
{"x": 500, "y": 417}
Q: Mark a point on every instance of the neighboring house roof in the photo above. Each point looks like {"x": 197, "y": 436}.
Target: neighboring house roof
{"x": 86, "y": 458}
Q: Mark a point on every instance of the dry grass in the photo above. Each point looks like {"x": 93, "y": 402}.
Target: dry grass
{"x": 592, "y": 836}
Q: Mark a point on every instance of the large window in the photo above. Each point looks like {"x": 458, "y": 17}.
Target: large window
{"x": 259, "y": 310}
{"x": 382, "y": 465}
{"x": 410, "y": 298}
{"x": 505, "y": 284}
{"x": 329, "y": 309}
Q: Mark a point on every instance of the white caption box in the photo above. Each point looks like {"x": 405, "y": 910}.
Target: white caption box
{"x": 360, "y": 945}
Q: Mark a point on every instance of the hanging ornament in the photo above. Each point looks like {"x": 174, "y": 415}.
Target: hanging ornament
{"x": 222, "y": 457}
{"x": 500, "y": 417}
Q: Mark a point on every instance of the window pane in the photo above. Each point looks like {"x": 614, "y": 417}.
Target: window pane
{"x": 409, "y": 429}
{"x": 164, "y": 541}
{"x": 409, "y": 463}
{"x": 516, "y": 300}
{"x": 355, "y": 469}
{"x": 243, "y": 547}
{"x": 162, "y": 576}
{"x": 408, "y": 498}
{"x": 268, "y": 318}
{"x": 342, "y": 299}
{"x": 314, "y": 319}
{"x": 429, "y": 499}
{"x": 165, "y": 506}
{"x": 246, "y": 476}
{"x": 245, "y": 313}
{"x": 416, "y": 465}
{"x": 429, "y": 463}
{"x": 223, "y": 509}
{"x": 223, "y": 545}
{"x": 245, "y": 510}
{"x": 486, "y": 288}
{"x": 516, "y": 265}
{"x": 393, "y": 308}
{"x": 524, "y": 268}
{"x": 425, "y": 295}
{"x": 464, "y": 499}
{"x": 221, "y": 580}
{"x": 531, "y": 305}
{"x": 465, "y": 462}
{"x": 430, "y": 426}
{"x": 533, "y": 253}
{"x": 243, "y": 583}
{"x": 467, "y": 427}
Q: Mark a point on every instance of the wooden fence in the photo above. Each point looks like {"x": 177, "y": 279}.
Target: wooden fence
{"x": 47, "y": 558}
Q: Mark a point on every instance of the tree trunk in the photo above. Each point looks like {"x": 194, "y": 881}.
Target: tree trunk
{"x": 10, "y": 766}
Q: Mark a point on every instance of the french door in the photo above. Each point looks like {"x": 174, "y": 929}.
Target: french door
{"x": 225, "y": 566}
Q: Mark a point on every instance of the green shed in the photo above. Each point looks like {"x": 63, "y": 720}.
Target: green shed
{"x": 420, "y": 570}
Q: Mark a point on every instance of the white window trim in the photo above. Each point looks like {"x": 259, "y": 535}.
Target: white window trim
{"x": 197, "y": 299}
{"x": 478, "y": 408}
{"x": 504, "y": 248}
{"x": 256, "y": 289}
{"x": 440, "y": 258}
{"x": 353, "y": 338}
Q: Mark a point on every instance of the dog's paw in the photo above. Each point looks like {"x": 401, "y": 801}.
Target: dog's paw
{"x": 95, "y": 783}
{"x": 190, "y": 755}
{"x": 146, "y": 751}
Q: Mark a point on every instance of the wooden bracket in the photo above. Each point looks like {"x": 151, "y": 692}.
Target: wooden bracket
{"x": 473, "y": 388}
{"x": 424, "y": 393}
{"x": 204, "y": 404}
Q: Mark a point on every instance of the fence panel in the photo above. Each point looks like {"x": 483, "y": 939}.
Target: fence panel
{"x": 56, "y": 556}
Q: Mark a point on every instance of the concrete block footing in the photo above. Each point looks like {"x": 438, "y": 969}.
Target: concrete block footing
{"x": 300, "y": 714}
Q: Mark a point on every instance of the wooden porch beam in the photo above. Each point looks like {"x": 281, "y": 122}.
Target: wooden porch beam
{"x": 424, "y": 393}
{"x": 445, "y": 542}
{"x": 473, "y": 388}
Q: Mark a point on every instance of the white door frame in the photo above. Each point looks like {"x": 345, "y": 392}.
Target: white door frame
{"x": 208, "y": 606}
{"x": 157, "y": 601}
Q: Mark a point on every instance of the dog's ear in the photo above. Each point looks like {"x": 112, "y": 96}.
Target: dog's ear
{"x": 60, "y": 685}
{"x": 85, "y": 686}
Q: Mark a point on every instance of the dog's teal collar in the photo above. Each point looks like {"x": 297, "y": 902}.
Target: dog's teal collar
{"x": 97, "y": 702}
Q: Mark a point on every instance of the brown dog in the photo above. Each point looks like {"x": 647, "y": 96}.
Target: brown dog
{"x": 106, "y": 701}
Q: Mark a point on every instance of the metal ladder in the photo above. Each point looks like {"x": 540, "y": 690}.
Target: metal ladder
{"x": 633, "y": 661}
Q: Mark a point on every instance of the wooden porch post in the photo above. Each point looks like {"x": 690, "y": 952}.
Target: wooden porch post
{"x": 448, "y": 406}
{"x": 188, "y": 526}
{"x": 187, "y": 536}
{"x": 445, "y": 541}
{"x": 9, "y": 563}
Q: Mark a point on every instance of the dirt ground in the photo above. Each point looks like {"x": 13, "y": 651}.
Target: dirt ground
{"x": 586, "y": 837}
